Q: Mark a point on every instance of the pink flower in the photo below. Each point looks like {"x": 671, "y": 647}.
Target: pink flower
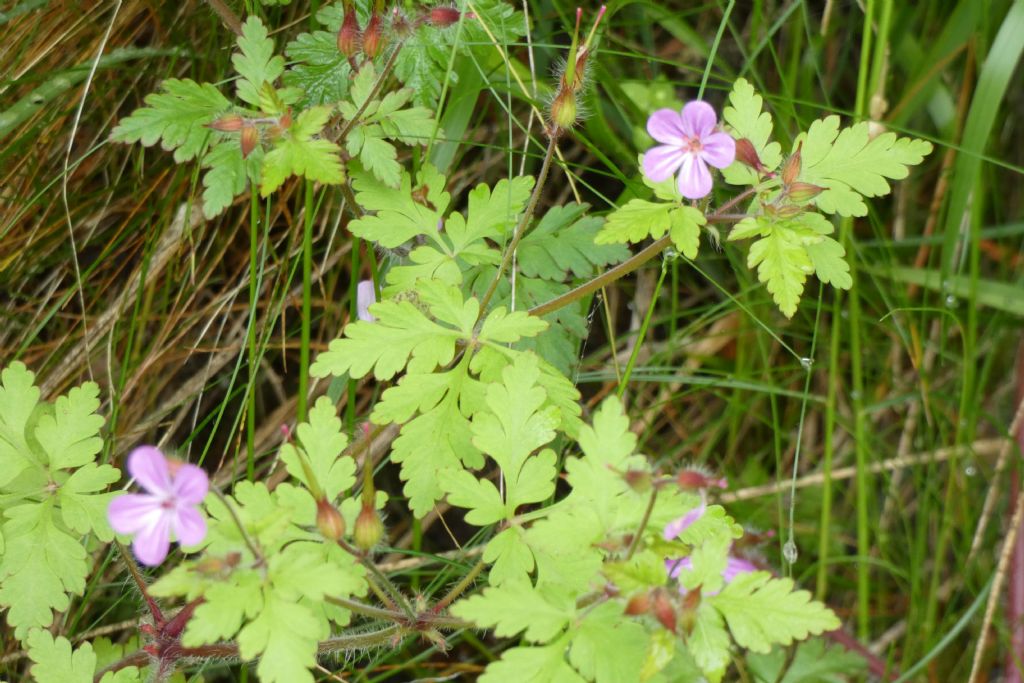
{"x": 173, "y": 490}
{"x": 676, "y": 527}
{"x": 734, "y": 566}
{"x": 689, "y": 144}
{"x": 365, "y": 296}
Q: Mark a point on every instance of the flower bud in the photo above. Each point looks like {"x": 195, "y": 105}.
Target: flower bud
{"x": 329, "y": 521}
{"x": 638, "y": 604}
{"x": 443, "y": 17}
{"x": 664, "y": 610}
{"x": 249, "y": 139}
{"x": 369, "y": 529}
{"x": 746, "y": 154}
{"x": 232, "y": 123}
{"x": 694, "y": 479}
{"x": 791, "y": 169}
{"x": 348, "y": 34}
{"x": 563, "y": 110}
{"x": 638, "y": 480}
{"x": 789, "y": 211}
{"x": 373, "y": 39}
{"x": 804, "y": 192}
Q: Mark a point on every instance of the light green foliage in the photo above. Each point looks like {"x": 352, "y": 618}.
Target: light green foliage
{"x": 640, "y": 219}
{"x": 708, "y": 562}
{"x": 256, "y": 63}
{"x": 50, "y": 496}
{"x": 298, "y": 152}
{"x": 762, "y": 611}
{"x": 228, "y": 176}
{"x": 535, "y": 664}
{"x": 320, "y": 71}
{"x": 397, "y": 217}
{"x": 562, "y": 243}
{"x": 380, "y": 119}
{"x": 608, "y": 647}
{"x": 509, "y": 429}
{"x": 709, "y": 642}
{"x": 745, "y": 117}
{"x": 850, "y": 165}
{"x": 176, "y": 118}
{"x": 276, "y": 612}
{"x": 791, "y": 248}
{"x": 814, "y": 662}
{"x": 423, "y": 63}
{"x": 847, "y": 165}
{"x": 55, "y": 662}
{"x": 517, "y": 607}
{"x": 321, "y": 442}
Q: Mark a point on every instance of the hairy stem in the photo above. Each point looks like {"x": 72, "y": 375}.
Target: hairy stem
{"x": 722, "y": 215}
{"x": 635, "y": 543}
{"x": 521, "y": 227}
{"x": 384, "y": 73}
{"x": 253, "y": 548}
{"x": 460, "y": 588}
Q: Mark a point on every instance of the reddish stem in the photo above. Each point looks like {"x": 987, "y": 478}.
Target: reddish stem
{"x": 1013, "y": 665}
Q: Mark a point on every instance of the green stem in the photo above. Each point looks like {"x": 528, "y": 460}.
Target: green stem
{"x": 635, "y": 543}
{"x": 520, "y": 231}
{"x": 253, "y": 548}
{"x": 396, "y": 600}
{"x": 460, "y": 588}
{"x": 384, "y": 73}
{"x": 307, "y": 285}
{"x": 643, "y": 331}
{"x": 250, "y": 412}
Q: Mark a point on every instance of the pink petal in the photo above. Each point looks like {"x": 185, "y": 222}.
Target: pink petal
{"x": 719, "y": 149}
{"x": 735, "y": 566}
{"x": 674, "y": 566}
{"x": 189, "y": 526}
{"x": 661, "y": 162}
{"x": 694, "y": 178}
{"x": 665, "y": 126}
{"x": 365, "y": 295}
{"x": 132, "y": 512}
{"x": 148, "y": 467}
{"x": 678, "y": 526}
{"x": 699, "y": 119}
{"x": 151, "y": 544}
{"x": 190, "y": 484}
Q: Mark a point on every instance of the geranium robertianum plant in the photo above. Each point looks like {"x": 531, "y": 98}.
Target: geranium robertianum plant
{"x": 595, "y": 565}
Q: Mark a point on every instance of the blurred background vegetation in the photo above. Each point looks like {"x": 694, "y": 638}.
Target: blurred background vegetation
{"x": 890, "y": 405}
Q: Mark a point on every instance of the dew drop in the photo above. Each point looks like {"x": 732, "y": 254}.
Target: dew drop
{"x": 950, "y": 301}
{"x": 806, "y": 363}
{"x": 970, "y": 470}
{"x": 789, "y": 552}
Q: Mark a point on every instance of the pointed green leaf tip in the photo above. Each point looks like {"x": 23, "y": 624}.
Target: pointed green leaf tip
{"x": 298, "y": 152}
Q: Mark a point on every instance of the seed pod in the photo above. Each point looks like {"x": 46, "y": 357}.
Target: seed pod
{"x": 329, "y": 521}
{"x": 232, "y": 123}
{"x": 791, "y": 170}
{"x": 563, "y": 110}
{"x": 369, "y": 529}
{"x": 638, "y": 480}
{"x": 249, "y": 139}
{"x": 694, "y": 479}
{"x": 804, "y": 192}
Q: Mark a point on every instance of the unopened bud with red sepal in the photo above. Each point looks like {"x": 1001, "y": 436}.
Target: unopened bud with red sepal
{"x": 232, "y": 123}
{"x": 638, "y": 604}
{"x": 694, "y": 479}
{"x": 746, "y": 154}
{"x": 443, "y": 16}
{"x": 329, "y": 521}
{"x": 373, "y": 38}
{"x": 349, "y": 34}
{"x": 249, "y": 139}
{"x": 664, "y": 610}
